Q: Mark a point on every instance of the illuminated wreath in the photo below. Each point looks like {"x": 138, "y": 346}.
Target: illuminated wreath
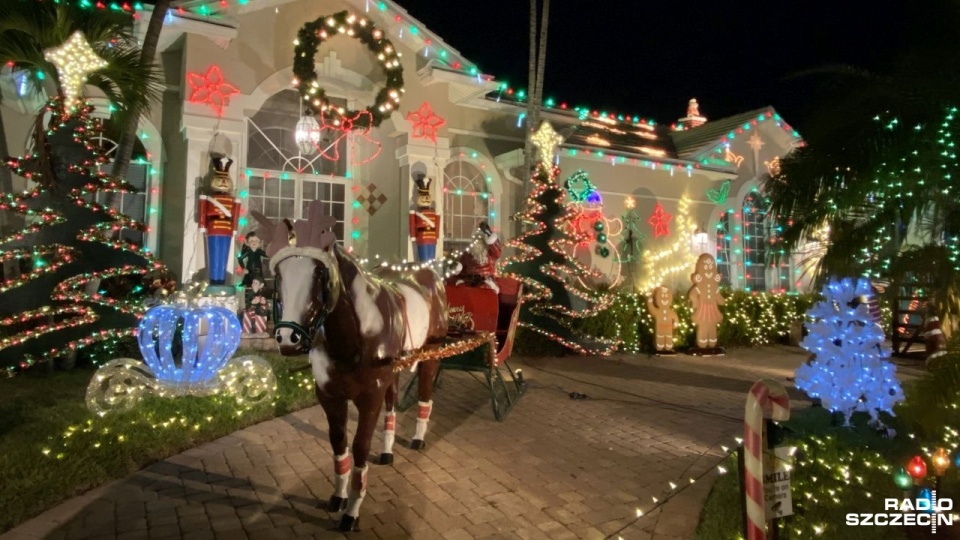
{"x": 314, "y": 33}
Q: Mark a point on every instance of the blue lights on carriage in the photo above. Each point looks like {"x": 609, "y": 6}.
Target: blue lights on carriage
{"x": 171, "y": 343}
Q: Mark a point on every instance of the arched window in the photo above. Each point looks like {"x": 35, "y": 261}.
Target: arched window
{"x": 133, "y": 205}
{"x": 465, "y": 202}
{"x": 756, "y": 240}
{"x": 282, "y": 179}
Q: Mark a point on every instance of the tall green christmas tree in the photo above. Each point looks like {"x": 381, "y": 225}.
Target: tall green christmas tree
{"x": 79, "y": 283}
{"x": 554, "y": 281}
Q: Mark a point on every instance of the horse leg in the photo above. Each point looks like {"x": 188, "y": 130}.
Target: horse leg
{"x": 368, "y": 405}
{"x": 336, "y": 411}
{"x": 390, "y": 422}
{"x": 426, "y": 372}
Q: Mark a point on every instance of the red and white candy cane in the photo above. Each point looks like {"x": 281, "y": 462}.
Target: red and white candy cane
{"x": 764, "y": 393}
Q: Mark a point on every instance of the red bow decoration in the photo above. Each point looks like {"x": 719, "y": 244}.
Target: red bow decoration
{"x": 348, "y": 127}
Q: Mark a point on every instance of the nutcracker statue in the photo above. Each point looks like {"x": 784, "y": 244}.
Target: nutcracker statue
{"x": 218, "y": 215}
{"x": 424, "y": 221}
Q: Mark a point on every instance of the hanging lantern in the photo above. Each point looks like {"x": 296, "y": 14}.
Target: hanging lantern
{"x": 307, "y": 135}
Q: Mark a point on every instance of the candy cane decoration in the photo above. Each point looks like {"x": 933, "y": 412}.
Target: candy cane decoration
{"x": 764, "y": 392}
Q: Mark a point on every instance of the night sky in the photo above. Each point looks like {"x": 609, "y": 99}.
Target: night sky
{"x": 649, "y": 57}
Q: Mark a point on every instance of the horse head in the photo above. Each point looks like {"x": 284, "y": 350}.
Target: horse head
{"x": 304, "y": 264}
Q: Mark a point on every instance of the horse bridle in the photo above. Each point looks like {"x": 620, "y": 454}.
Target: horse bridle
{"x": 316, "y": 311}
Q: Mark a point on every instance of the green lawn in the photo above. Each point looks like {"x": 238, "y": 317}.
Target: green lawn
{"x": 838, "y": 470}
{"x": 52, "y": 448}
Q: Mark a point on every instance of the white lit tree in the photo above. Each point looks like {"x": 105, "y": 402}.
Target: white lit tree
{"x": 849, "y": 372}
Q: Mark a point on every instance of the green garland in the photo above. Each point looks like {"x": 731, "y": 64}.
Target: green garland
{"x": 313, "y": 34}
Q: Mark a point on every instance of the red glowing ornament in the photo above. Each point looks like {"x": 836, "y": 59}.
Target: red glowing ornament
{"x": 210, "y": 89}
{"x": 425, "y": 122}
{"x": 917, "y": 468}
{"x": 659, "y": 221}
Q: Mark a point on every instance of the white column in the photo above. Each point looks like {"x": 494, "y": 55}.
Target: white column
{"x": 435, "y": 158}
{"x": 199, "y": 132}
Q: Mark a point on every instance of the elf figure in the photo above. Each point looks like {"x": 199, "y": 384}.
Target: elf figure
{"x": 424, "y": 221}
{"x": 251, "y": 259}
{"x": 660, "y": 306}
{"x": 218, "y": 214}
{"x": 705, "y": 300}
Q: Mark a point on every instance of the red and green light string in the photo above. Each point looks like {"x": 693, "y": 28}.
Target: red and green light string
{"x": 742, "y": 130}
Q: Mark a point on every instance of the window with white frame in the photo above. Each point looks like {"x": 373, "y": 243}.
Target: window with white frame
{"x": 282, "y": 178}
{"x": 748, "y": 252}
{"x": 132, "y": 205}
{"x": 466, "y": 202}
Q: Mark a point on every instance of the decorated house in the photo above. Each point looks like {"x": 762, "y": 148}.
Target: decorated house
{"x": 240, "y": 84}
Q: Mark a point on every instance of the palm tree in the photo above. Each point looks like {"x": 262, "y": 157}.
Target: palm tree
{"x": 877, "y": 168}
{"x": 148, "y": 50}
{"x": 27, "y": 28}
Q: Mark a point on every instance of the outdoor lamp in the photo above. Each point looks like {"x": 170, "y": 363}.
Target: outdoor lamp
{"x": 307, "y": 135}
{"x": 917, "y": 468}
{"x": 902, "y": 479}
{"x": 699, "y": 241}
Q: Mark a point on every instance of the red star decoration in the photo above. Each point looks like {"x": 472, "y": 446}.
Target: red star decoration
{"x": 425, "y": 122}
{"x": 210, "y": 89}
{"x": 659, "y": 221}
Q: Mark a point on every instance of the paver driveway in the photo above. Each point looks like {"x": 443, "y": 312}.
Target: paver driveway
{"x": 557, "y": 468}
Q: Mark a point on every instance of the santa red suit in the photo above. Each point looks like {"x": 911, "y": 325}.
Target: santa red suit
{"x": 479, "y": 264}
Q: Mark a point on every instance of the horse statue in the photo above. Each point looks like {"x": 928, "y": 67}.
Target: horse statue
{"x": 354, "y": 325}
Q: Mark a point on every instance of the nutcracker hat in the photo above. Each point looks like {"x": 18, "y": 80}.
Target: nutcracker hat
{"x": 222, "y": 165}
{"x": 423, "y": 188}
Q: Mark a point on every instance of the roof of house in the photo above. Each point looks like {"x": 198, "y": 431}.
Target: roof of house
{"x": 623, "y": 137}
{"x": 690, "y": 141}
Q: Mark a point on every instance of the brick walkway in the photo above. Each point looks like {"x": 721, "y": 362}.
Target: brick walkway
{"x": 557, "y": 468}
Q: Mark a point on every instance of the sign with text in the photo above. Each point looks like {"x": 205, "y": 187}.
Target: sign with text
{"x": 777, "y": 465}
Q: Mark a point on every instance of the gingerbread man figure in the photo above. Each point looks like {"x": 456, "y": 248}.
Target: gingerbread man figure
{"x": 705, "y": 300}
{"x": 660, "y": 306}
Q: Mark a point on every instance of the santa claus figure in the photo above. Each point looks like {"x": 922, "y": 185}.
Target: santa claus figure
{"x": 478, "y": 266}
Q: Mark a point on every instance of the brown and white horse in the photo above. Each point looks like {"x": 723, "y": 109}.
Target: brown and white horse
{"x": 354, "y": 325}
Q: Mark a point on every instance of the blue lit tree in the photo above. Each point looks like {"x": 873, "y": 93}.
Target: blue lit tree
{"x": 849, "y": 371}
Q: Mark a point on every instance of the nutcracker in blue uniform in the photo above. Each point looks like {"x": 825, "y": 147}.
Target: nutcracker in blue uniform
{"x": 218, "y": 214}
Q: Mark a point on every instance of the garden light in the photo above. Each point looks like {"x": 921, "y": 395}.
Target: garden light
{"x": 940, "y": 461}
{"x": 917, "y": 468}
{"x": 902, "y": 479}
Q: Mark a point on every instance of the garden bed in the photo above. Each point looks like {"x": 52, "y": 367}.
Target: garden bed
{"x": 52, "y": 448}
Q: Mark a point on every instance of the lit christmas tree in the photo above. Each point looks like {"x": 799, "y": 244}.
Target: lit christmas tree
{"x": 553, "y": 280}
{"x": 849, "y": 372}
{"x": 79, "y": 282}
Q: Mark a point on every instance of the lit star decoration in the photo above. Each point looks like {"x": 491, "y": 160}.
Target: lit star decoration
{"x": 659, "y": 221}
{"x": 425, "y": 122}
{"x": 74, "y": 60}
{"x": 675, "y": 259}
{"x": 755, "y": 142}
{"x": 210, "y": 89}
{"x": 546, "y": 139}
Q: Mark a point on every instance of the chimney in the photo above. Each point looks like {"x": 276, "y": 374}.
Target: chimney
{"x": 693, "y": 118}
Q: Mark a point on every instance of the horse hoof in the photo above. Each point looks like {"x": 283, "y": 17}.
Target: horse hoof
{"x": 336, "y": 504}
{"x": 417, "y": 444}
{"x": 386, "y": 459}
{"x": 349, "y": 523}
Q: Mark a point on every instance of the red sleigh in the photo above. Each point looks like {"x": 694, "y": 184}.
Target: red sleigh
{"x": 495, "y": 316}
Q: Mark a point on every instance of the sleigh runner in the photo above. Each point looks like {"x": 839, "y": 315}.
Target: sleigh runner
{"x": 484, "y": 348}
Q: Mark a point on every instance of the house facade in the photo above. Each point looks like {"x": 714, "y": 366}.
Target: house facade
{"x": 230, "y": 91}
